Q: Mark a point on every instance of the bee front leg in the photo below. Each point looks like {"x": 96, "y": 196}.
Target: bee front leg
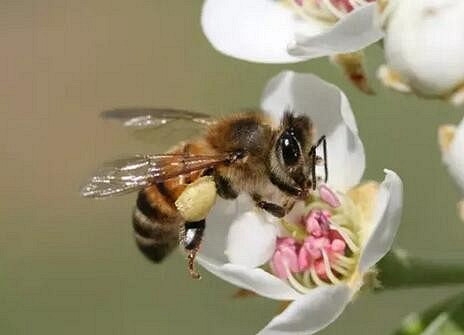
{"x": 224, "y": 187}
{"x": 191, "y": 239}
{"x": 272, "y": 208}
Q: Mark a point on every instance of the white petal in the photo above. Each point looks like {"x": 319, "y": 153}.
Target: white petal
{"x": 256, "y": 280}
{"x": 310, "y": 313}
{"x": 256, "y": 31}
{"x": 212, "y": 256}
{"x": 251, "y": 240}
{"x": 219, "y": 220}
{"x": 454, "y": 157}
{"x": 331, "y": 113}
{"x": 352, "y": 33}
{"x": 385, "y": 222}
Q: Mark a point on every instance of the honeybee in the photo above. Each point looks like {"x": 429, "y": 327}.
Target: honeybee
{"x": 245, "y": 153}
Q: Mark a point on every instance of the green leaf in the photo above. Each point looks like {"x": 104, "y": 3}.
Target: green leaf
{"x": 445, "y": 318}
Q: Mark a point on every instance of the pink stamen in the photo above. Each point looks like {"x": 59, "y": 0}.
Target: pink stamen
{"x": 285, "y": 257}
{"x": 317, "y": 222}
{"x": 341, "y": 6}
{"x": 335, "y": 235}
{"x": 320, "y": 269}
{"x": 325, "y": 217}
{"x": 311, "y": 253}
{"x": 318, "y": 252}
{"x": 329, "y": 197}
{"x": 286, "y": 241}
{"x": 313, "y": 245}
{"x": 312, "y": 223}
{"x": 304, "y": 259}
{"x": 344, "y": 5}
{"x": 338, "y": 246}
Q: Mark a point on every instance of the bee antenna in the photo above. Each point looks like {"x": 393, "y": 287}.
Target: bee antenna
{"x": 312, "y": 154}
{"x": 323, "y": 140}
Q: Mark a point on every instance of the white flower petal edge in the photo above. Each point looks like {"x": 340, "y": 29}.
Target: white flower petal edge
{"x": 329, "y": 109}
{"x": 255, "y": 31}
{"x": 311, "y": 312}
{"x": 256, "y": 280}
{"x": 453, "y": 156}
{"x": 352, "y": 33}
{"x": 385, "y": 221}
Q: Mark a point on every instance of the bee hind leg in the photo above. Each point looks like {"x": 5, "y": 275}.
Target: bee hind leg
{"x": 191, "y": 240}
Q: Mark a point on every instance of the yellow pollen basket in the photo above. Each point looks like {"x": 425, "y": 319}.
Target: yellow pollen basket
{"x": 197, "y": 199}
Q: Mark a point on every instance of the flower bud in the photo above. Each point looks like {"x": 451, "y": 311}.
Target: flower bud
{"x": 424, "y": 47}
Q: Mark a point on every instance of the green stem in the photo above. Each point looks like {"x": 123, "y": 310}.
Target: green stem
{"x": 399, "y": 270}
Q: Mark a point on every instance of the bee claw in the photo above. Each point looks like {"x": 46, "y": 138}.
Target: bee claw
{"x": 191, "y": 264}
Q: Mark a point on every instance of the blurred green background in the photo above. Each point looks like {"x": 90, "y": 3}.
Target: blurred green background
{"x": 69, "y": 265}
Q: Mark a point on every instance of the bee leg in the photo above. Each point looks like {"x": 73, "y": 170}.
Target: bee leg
{"x": 274, "y": 209}
{"x": 191, "y": 264}
{"x": 191, "y": 239}
{"x": 224, "y": 188}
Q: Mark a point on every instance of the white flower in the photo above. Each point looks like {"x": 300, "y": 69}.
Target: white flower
{"x": 285, "y": 31}
{"x": 424, "y": 47}
{"x": 451, "y": 140}
{"x": 318, "y": 254}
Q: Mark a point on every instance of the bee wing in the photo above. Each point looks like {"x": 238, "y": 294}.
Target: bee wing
{"x": 126, "y": 175}
{"x": 141, "y": 118}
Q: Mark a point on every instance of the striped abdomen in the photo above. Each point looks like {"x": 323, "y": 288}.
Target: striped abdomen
{"x": 156, "y": 224}
{"x": 155, "y": 219}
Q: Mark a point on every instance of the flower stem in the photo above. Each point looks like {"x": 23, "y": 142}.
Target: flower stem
{"x": 399, "y": 270}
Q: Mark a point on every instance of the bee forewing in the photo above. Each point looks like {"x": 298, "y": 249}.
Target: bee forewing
{"x": 118, "y": 177}
{"x": 141, "y": 118}
{"x": 105, "y": 187}
{"x": 129, "y": 174}
{"x": 143, "y": 122}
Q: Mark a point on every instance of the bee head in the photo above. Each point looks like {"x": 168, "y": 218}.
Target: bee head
{"x": 290, "y": 164}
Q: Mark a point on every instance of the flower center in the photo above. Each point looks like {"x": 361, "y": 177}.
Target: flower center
{"x": 322, "y": 246}
{"x": 327, "y": 10}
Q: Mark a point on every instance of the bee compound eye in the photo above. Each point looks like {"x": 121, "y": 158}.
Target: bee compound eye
{"x": 290, "y": 148}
